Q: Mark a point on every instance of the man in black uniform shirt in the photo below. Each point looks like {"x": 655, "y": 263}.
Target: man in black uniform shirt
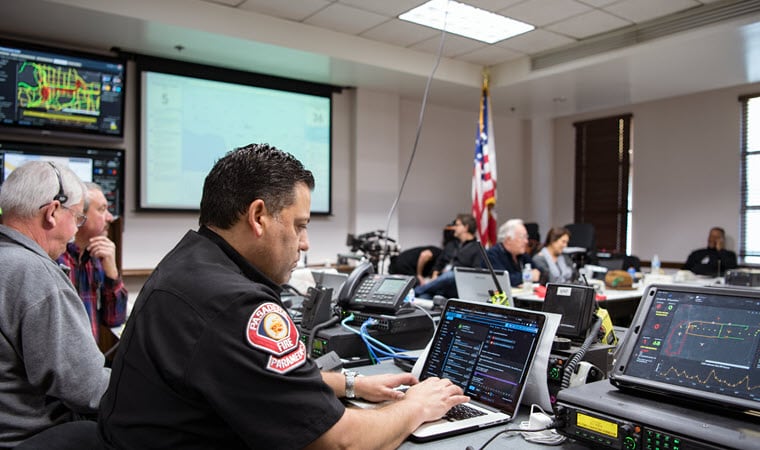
{"x": 210, "y": 358}
{"x": 713, "y": 260}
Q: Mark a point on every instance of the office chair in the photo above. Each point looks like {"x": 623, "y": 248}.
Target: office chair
{"x": 534, "y": 237}
{"x": 582, "y": 244}
{"x": 618, "y": 261}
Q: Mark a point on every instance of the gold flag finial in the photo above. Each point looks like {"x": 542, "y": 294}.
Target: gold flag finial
{"x": 485, "y": 73}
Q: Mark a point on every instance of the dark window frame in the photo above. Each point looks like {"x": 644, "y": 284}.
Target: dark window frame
{"x": 748, "y": 256}
{"x": 603, "y": 155}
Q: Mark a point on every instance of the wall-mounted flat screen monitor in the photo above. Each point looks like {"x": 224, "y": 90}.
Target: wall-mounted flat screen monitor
{"x": 46, "y": 90}
{"x": 99, "y": 165}
{"x": 191, "y": 115}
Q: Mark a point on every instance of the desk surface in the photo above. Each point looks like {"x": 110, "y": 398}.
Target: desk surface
{"x": 476, "y": 439}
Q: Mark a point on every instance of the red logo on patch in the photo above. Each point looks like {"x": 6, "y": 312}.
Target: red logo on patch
{"x": 271, "y": 329}
{"x": 288, "y": 362}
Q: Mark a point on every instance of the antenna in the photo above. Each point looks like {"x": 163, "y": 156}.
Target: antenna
{"x": 419, "y": 126}
{"x": 498, "y": 296}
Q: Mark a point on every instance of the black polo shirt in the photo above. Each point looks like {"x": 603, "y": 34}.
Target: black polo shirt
{"x": 210, "y": 359}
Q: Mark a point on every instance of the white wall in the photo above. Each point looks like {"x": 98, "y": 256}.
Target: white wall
{"x": 686, "y": 171}
{"x": 439, "y": 185}
{"x": 373, "y": 135}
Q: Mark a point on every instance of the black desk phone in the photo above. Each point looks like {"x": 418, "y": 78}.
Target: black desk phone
{"x": 364, "y": 289}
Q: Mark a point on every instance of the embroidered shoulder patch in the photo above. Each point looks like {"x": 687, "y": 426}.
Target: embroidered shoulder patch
{"x": 289, "y": 361}
{"x": 271, "y": 329}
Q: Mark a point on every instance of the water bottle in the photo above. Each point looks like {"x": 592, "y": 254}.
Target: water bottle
{"x": 655, "y": 264}
{"x": 527, "y": 277}
{"x": 632, "y": 273}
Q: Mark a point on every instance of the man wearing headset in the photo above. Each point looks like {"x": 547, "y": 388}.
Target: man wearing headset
{"x": 52, "y": 370}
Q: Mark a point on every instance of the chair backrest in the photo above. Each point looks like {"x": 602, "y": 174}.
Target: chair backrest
{"x": 582, "y": 235}
{"x": 632, "y": 261}
{"x": 618, "y": 261}
{"x": 534, "y": 237}
{"x": 533, "y": 232}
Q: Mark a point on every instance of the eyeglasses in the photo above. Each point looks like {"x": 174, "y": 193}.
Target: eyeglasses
{"x": 81, "y": 218}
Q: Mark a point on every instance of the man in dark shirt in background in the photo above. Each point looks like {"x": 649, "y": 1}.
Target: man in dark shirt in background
{"x": 416, "y": 261}
{"x": 713, "y": 260}
{"x": 466, "y": 254}
{"x": 511, "y": 253}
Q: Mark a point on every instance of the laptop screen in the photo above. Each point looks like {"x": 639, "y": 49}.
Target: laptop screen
{"x": 699, "y": 343}
{"x": 475, "y": 283}
{"x": 486, "y": 350}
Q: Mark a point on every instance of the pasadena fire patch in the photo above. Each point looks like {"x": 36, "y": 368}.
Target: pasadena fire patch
{"x": 289, "y": 361}
{"x": 271, "y": 329}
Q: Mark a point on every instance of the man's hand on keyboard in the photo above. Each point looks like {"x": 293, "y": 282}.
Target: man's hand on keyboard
{"x": 437, "y": 396}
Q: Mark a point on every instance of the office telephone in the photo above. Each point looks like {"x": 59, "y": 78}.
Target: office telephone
{"x": 364, "y": 289}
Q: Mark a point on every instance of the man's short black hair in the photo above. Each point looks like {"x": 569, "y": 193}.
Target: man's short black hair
{"x": 256, "y": 171}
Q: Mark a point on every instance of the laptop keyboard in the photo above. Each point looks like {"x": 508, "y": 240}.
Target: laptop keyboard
{"x": 461, "y": 412}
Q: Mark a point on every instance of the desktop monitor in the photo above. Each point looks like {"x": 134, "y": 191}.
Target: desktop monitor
{"x": 99, "y": 165}
{"x": 49, "y": 90}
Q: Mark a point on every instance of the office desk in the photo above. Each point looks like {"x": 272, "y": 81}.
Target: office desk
{"x": 476, "y": 439}
{"x": 621, "y": 304}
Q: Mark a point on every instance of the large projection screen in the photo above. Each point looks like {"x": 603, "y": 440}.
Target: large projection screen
{"x": 188, "y": 122}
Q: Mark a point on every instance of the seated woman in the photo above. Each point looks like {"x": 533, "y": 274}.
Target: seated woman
{"x": 555, "y": 267}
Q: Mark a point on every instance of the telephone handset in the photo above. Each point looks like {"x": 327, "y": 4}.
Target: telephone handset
{"x": 364, "y": 289}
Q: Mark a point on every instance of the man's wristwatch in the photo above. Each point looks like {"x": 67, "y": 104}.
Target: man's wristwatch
{"x": 350, "y": 383}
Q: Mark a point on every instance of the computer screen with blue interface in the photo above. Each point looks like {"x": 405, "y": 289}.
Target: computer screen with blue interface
{"x": 486, "y": 350}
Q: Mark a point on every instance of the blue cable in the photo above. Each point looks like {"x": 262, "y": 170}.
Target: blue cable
{"x": 390, "y": 351}
{"x": 374, "y": 346}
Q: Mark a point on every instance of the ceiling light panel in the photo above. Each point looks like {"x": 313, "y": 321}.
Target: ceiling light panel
{"x": 465, "y": 20}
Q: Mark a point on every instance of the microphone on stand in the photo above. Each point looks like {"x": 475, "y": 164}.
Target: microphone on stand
{"x": 498, "y": 296}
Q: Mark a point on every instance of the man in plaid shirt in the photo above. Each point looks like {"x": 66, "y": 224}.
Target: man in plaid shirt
{"x": 92, "y": 260}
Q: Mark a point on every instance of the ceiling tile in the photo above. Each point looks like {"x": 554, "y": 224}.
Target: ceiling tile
{"x": 297, "y": 11}
{"x": 389, "y": 8}
{"x": 536, "y": 41}
{"x": 400, "y": 32}
{"x": 492, "y": 5}
{"x": 226, "y": 2}
{"x": 452, "y": 45}
{"x": 598, "y": 3}
{"x": 588, "y": 24}
{"x": 642, "y": 10}
{"x": 345, "y": 19}
{"x": 543, "y": 12}
{"x": 490, "y": 55}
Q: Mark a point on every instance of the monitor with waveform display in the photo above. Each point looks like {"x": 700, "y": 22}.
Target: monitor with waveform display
{"x": 699, "y": 344}
{"x": 45, "y": 90}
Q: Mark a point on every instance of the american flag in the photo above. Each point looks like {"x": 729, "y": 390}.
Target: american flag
{"x": 484, "y": 174}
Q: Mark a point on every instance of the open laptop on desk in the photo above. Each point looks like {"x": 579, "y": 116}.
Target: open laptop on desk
{"x": 487, "y": 350}
{"x": 695, "y": 344}
{"x": 333, "y": 280}
{"x": 474, "y": 283}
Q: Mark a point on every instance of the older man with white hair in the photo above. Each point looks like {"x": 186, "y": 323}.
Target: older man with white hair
{"x": 53, "y": 372}
{"x": 511, "y": 253}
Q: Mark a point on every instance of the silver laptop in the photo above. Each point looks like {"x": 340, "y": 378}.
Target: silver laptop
{"x": 330, "y": 280}
{"x": 488, "y": 351}
{"x": 474, "y": 284}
